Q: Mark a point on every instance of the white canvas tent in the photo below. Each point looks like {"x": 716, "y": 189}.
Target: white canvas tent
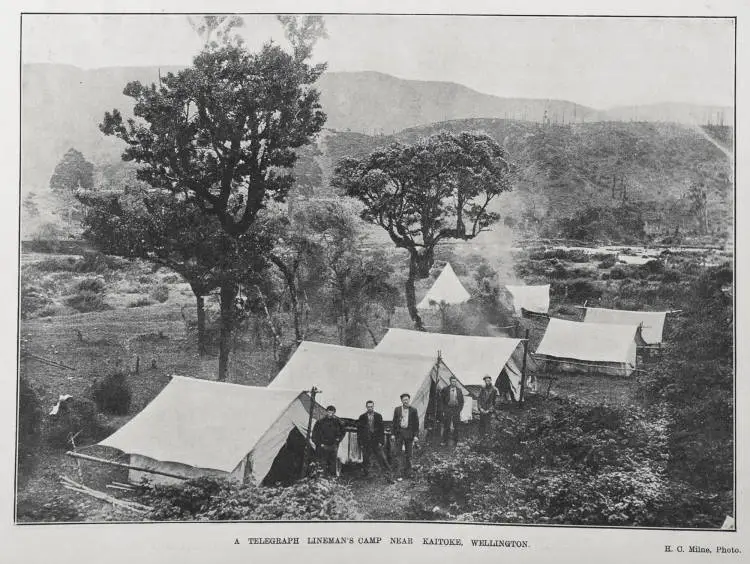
{"x": 531, "y": 298}
{"x": 589, "y": 347}
{"x": 652, "y": 322}
{"x": 470, "y": 358}
{"x": 202, "y": 428}
{"x": 447, "y": 288}
{"x": 348, "y": 377}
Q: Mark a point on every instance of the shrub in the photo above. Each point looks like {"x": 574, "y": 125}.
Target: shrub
{"x": 98, "y": 262}
{"x": 33, "y": 300}
{"x": 112, "y": 394}
{"x": 57, "y": 510}
{"x": 608, "y": 261}
{"x": 95, "y": 285}
{"x": 140, "y": 302}
{"x": 87, "y": 301}
{"x": 211, "y": 499}
{"x": 652, "y": 267}
{"x": 77, "y": 416}
{"x": 172, "y": 279}
{"x": 618, "y": 273}
{"x": 160, "y": 293}
{"x": 573, "y": 255}
{"x": 670, "y": 276}
{"x": 29, "y": 427}
{"x": 56, "y": 265}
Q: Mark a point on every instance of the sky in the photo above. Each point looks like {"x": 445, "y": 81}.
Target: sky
{"x": 598, "y": 62}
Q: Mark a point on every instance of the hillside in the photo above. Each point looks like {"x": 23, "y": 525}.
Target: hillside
{"x": 62, "y": 106}
{"x": 565, "y": 168}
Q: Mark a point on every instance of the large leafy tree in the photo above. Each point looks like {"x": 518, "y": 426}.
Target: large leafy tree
{"x": 434, "y": 190}
{"x": 73, "y": 172}
{"x": 222, "y": 133}
{"x": 160, "y": 228}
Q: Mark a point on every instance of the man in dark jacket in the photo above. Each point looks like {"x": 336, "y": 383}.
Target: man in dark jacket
{"x": 451, "y": 402}
{"x": 405, "y": 429}
{"x": 486, "y": 403}
{"x": 327, "y": 435}
{"x": 371, "y": 436}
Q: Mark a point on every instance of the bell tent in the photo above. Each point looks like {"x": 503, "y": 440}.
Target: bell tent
{"x": 447, "y": 288}
{"x": 572, "y": 346}
{"x": 202, "y": 428}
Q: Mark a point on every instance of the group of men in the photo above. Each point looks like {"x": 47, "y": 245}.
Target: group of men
{"x": 330, "y": 430}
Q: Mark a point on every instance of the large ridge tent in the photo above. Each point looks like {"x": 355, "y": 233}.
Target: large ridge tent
{"x": 470, "y": 358}
{"x": 447, "y": 288}
{"x": 651, "y": 322}
{"x": 202, "y": 428}
{"x": 590, "y": 347}
{"x": 530, "y": 298}
{"x": 348, "y": 377}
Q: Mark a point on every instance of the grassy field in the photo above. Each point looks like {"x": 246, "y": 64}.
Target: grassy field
{"x": 154, "y": 338}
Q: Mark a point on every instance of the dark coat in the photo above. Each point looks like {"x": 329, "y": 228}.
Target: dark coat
{"x": 487, "y": 398}
{"x": 328, "y": 431}
{"x": 413, "y": 429}
{"x": 363, "y": 429}
{"x": 445, "y": 396}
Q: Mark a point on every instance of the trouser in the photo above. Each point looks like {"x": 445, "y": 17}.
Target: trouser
{"x": 327, "y": 455}
{"x": 406, "y": 444}
{"x": 484, "y": 423}
{"x": 451, "y": 416}
{"x": 373, "y": 447}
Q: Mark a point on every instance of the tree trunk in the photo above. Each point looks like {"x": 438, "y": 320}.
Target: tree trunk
{"x": 228, "y": 293}
{"x": 411, "y": 299}
{"x": 201, "y": 312}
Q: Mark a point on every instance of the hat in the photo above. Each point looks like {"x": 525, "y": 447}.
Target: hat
{"x": 331, "y": 408}
{"x": 487, "y": 377}
{"x": 402, "y": 396}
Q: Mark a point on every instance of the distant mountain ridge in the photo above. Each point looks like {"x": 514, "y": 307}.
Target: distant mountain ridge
{"x": 62, "y": 106}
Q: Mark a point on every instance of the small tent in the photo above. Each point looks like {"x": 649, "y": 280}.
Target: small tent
{"x": 534, "y": 299}
{"x": 202, "y": 428}
{"x": 573, "y": 346}
{"x": 447, "y": 288}
{"x": 469, "y": 358}
{"x": 651, "y": 322}
{"x": 348, "y": 377}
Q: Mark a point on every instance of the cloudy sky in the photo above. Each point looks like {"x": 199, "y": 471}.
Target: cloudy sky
{"x": 599, "y": 62}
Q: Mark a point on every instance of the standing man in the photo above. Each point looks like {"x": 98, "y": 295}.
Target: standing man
{"x": 371, "y": 436}
{"x": 405, "y": 431}
{"x": 487, "y": 400}
{"x": 327, "y": 435}
{"x": 452, "y": 402}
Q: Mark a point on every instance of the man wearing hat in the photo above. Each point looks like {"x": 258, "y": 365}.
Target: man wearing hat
{"x": 452, "y": 403}
{"x": 327, "y": 435}
{"x": 487, "y": 400}
{"x": 405, "y": 428}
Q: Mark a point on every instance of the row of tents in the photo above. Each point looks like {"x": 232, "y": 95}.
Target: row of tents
{"x": 254, "y": 434}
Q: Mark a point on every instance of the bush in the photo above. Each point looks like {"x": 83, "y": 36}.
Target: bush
{"x": 140, "y": 302}
{"x": 77, "y": 416}
{"x": 212, "y": 499}
{"x": 112, "y": 394}
{"x": 98, "y": 262}
{"x": 573, "y": 255}
{"x": 29, "y": 427}
{"x": 652, "y": 267}
{"x": 57, "y": 510}
{"x": 33, "y": 300}
{"x": 160, "y": 293}
{"x": 87, "y": 301}
{"x": 618, "y": 273}
{"x": 95, "y": 285}
{"x": 463, "y": 319}
{"x": 608, "y": 262}
{"x": 670, "y": 276}
{"x": 172, "y": 279}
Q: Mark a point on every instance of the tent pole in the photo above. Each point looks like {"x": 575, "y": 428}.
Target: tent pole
{"x": 121, "y": 465}
{"x": 303, "y": 471}
{"x": 435, "y": 397}
{"x": 523, "y": 369}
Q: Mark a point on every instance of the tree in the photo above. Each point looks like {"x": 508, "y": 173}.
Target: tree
{"x": 30, "y": 205}
{"x": 698, "y": 197}
{"x": 71, "y": 173}
{"x": 222, "y": 132}
{"x": 158, "y": 227}
{"x": 437, "y": 189}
